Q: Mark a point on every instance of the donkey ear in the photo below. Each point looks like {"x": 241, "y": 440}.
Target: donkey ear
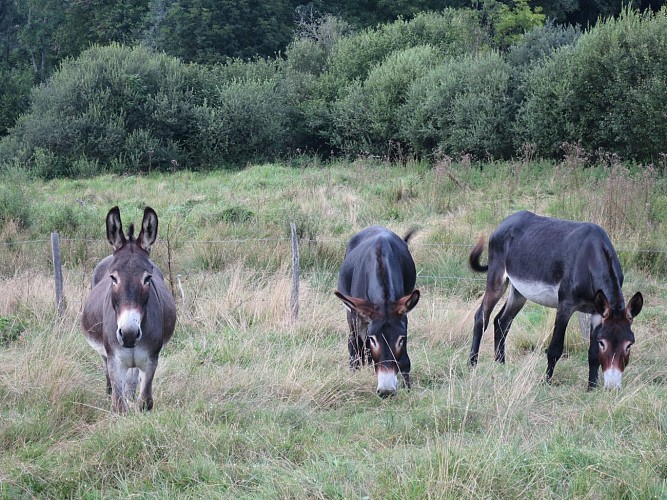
{"x": 362, "y": 307}
{"x": 602, "y": 306}
{"x": 115, "y": 235}
{"x": 407, "y": 303}
{"x": 148, "y": 233}
{"x": 635, "y": 305}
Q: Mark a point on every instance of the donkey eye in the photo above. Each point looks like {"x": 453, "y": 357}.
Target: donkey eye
{"x": 114, "y": 280}
{"x": 602, "y": 344}
{"x": 627, "y": 348}
{"x": 147, "y": 279}
{"x": 401, "y": 341}
{"x": 373, "y": 341}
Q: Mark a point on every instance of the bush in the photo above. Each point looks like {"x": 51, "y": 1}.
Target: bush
{"x": 607, "y": 92}
{"x": 541, "y": 42}
{"x": 367, "y": 118}
{"x": 306, "y": 56}
{"x": 126, "y": 109}
{"x": 451, "y": 32}
{"x": 11, "y": 329}
{"x": 245, "y": 121}
{"x": 113, "y": 105}
{"x": 462, "y": 106}
{"x": 15, "y": 199}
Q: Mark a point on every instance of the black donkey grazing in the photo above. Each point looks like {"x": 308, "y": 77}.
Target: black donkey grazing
{"x": 376, "y": 283}
{"x": 570, "y": 266}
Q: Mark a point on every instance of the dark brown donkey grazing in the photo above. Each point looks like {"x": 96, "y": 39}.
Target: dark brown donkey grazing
{"x": 129, "y": 313}
{"x": 376, "y": 283}
{"x": 570, "y": 266}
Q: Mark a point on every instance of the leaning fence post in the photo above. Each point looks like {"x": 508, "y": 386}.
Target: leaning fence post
{"x": 294, "y": 302}
{"x": 58, "y": 273}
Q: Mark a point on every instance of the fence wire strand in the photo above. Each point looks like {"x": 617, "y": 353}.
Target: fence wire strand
{"x": 425, "y": 279}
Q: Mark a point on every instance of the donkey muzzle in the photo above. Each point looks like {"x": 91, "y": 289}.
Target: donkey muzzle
{"x": 387, "y": 383}
{"x": 129, "y": 331}
{"x": 612, "y": 378}
{"x": 128, "y": 338}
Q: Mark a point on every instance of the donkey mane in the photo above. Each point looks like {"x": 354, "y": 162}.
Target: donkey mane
{"x": 382, "y": 275}
{"x": 618, "y": 300}
{"x": 130, "y": 233}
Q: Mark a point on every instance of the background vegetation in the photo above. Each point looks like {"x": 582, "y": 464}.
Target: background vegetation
{"x": 233, "y": 119}
{"x": 169, "y": 86}
{"x": 249, "y": 404}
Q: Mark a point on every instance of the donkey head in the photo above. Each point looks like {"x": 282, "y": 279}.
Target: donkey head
{"x": 386, "y": 336}
{"x": 614, "y": 336}
{"x": 130, "y": 273}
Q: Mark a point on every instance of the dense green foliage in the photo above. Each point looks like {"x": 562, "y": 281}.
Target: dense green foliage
{"x": 114, "y": 107}
{"x": 366, "y": 118}
{"x": 208, "y": 31}
{"x": 462, "y": 106}
{"x": 459, "y": 81}
{"x": 119, "y": 109}
{"x": 452, "y": 32}
{"x": 607, "y": 92}
{"x": 36, "y": 35}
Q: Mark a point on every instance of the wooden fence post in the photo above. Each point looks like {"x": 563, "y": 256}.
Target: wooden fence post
{"x": 294, "y": 300}
{"x": 58, "y": 273}
{"x": 180, "y": 287}
{"x": 585, "y": 325}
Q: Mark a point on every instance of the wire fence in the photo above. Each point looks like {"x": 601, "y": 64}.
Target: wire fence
{"x": 442, "y": 266}
{"x": 339, "y": 241}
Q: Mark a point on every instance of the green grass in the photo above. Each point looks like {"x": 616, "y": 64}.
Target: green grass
{"x": 249, "y": 404}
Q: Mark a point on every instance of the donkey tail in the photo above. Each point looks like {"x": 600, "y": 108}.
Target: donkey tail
{"x": 411, "y": 232}
{"x": 475, "y": 254}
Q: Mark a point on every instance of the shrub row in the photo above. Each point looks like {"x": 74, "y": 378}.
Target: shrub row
{"x": 430, "y": 86}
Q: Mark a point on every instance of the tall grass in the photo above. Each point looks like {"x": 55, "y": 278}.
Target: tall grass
{"x": 250, "y": 404}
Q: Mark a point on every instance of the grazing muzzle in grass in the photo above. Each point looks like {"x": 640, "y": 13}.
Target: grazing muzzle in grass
{"x": 387, "y": 379}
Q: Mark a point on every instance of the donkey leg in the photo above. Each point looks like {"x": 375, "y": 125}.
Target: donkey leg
{"x": 146, "y": 385}
{"x": 495, "y": 288}
{"x": 106, "y": 374}
{"x": 117, "y": 375}
{"x": 555, "y": 349}
{"x": 131, "y": 383}
{"x": 593, "y": 362}
{"x": 477, "y": 331}
{"x": 503, "y": 321}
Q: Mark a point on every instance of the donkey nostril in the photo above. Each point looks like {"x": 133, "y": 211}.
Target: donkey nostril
{"x": 385, "y": 394}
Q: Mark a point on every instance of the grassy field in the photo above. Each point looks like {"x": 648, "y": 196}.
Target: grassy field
{"x": 249, "y": 404}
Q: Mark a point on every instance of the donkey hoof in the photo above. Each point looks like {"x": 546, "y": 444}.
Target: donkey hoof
{"x": 146, "y": 405}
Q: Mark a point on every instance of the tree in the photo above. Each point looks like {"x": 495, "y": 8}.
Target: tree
{"x": 208, "y": 31}
{"x": 507, "y": 23}
{"x": 37, "y": 33}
